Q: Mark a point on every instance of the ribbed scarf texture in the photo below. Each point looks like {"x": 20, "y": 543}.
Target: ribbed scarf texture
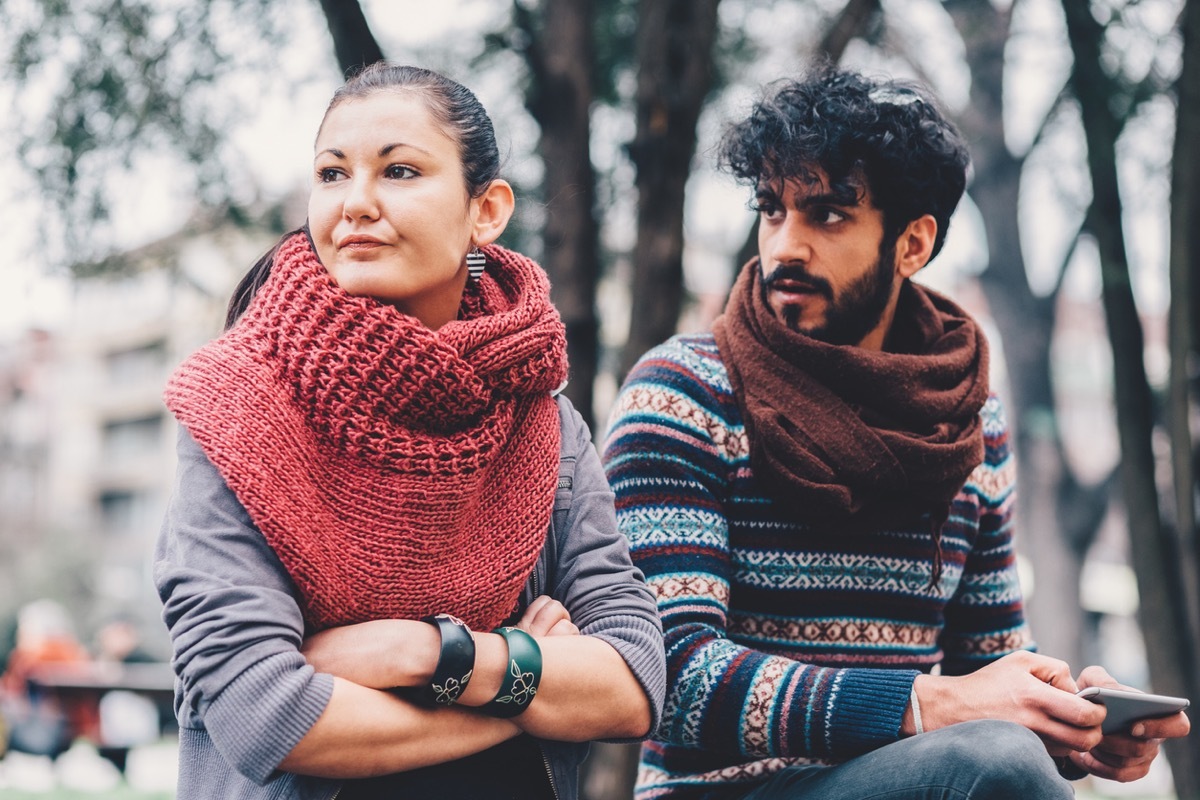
{"x": 396, "y": 471}
{"x": 850, "y": 435}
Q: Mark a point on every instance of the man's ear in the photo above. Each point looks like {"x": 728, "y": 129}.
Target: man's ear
{"x": 914, "y": 247}
{"x": 491, "y": 212}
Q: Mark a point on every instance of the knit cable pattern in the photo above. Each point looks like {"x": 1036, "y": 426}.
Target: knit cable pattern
{"x": 397, "y": 471}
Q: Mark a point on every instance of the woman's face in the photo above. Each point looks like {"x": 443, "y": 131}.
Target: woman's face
{"x": 389, "y": 211}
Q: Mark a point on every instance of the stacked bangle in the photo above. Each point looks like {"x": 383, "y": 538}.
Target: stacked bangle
{"x": 522, "y": 674}
{"x": 456, "y": 660}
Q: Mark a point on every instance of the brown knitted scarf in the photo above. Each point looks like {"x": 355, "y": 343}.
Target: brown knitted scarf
{"x": 396, "y": 471}
{"x": 853, "y": 435}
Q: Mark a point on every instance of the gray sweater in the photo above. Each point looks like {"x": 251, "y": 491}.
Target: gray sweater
{"x": 244, "y": 694}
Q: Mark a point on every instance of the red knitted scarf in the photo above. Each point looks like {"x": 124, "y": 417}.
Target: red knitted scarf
{"x": 396, "y": 471}
{"x": 852, "y": 435}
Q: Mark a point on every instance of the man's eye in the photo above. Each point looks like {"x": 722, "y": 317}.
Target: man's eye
{"x": 400, "y": 172}
{"x": 828, "y": 216}
{"x": 766, "y": 206}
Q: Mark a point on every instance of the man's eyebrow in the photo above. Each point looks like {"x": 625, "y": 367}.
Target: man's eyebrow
{"x": 826, "y": 199}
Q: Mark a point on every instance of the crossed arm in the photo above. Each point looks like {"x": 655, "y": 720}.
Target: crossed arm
{"x": 587, "y": 692}
{"x": 245, "y": 680}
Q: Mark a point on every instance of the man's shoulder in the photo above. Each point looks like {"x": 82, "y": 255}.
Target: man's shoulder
{"x": 684, "y": 358}
{"x": 995, "y": 423}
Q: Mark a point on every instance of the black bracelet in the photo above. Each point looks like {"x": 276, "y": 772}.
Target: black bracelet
{"x": 456, "y": 661}
{"x": 522, "y": 674}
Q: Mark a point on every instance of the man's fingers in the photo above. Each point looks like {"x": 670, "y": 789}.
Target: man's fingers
{"x": 1098, "y": 676}
{"x": 1110, "y": 768}
{"x": 542, "y": 615}
{"x": 1053, "y": 671}
{"x": 1119, "y": 746}
{"x": 1171, "y": 727}
{"x": 564, "y": 627}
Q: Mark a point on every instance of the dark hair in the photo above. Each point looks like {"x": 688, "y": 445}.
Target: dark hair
{"x": 455, "y": 108}
{"x": 887, "y": 134}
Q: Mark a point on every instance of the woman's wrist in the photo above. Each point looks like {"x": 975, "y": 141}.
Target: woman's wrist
{"x": 491, "y": 654}
{"x": 413, "y": 653}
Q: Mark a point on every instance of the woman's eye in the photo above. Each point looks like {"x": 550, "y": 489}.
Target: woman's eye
{"x": 400, "y": 172}
{"x": 328, "y": 175}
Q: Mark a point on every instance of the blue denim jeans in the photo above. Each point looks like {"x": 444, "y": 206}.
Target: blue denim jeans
{"x": 983, "y": 760}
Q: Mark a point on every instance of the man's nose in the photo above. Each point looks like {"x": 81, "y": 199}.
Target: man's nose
{"x": 789, "y": 243}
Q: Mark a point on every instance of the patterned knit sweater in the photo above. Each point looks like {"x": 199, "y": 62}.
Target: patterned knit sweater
{"x": 787, "y": 643}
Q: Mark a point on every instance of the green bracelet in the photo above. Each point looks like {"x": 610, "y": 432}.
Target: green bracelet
{"x": 521, "y": 675}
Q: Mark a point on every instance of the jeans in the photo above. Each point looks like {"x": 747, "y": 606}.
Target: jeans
{"x": 982, "y": 760}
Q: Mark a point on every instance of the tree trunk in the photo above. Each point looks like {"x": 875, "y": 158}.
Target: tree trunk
{"x": 674, "y": 51}
{"x": 1161, "y": 606}
{"x": 560, "y": 99}
{"x": 1185, "y": 305}
{"x": 353, "y": 42}
{"x": 1057, "y": 519}
{"x": 850, "y": 22}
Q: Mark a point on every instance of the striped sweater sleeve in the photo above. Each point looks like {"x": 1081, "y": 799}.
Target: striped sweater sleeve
{"x": 985, "y": 619}
{"x": 669, "y": 454}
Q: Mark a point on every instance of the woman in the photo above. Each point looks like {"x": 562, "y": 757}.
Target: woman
{"x": 375, "y": 476}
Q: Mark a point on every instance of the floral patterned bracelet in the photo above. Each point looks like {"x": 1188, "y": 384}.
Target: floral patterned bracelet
{"x": 456, "y": 661}
{"x": 522, "y": 674}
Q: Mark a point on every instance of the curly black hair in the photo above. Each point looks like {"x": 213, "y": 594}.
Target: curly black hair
{"x": 884, "y": 136}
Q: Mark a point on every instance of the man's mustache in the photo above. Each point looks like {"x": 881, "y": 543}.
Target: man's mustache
{"x": 794, "y": 273}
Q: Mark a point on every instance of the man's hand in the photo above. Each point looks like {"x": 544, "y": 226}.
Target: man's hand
{"x": 547, "y": 617}
{"x": 1126, "y": 756}
{"x": 1032, "y": 690}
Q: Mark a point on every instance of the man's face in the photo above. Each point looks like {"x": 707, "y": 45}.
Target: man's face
{"x": 827, "y": 271}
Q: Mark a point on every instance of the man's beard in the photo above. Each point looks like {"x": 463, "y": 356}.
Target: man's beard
{"x": 854, "y": 314}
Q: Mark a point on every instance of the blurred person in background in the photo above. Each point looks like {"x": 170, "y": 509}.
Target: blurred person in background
{"x": 127, "y": 719}
{"x": 39, "y": 722}
{"x": 390, "y": 566}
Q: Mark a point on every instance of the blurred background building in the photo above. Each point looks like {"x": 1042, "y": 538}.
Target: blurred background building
{"x": 87, "y": 450}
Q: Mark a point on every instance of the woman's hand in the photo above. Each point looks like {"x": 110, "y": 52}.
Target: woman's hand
{"x": 1127, "y": 756}
{"x": 380, "y": 654}
{"x": 547, "y": 617}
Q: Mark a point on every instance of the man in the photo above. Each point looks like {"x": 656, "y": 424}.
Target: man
{"x": 821, "y": 494}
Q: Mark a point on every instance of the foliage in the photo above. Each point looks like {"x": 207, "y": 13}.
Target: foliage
{"x": 103, "y": 86}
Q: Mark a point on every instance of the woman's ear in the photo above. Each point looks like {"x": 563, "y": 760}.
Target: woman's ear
{"x": 491, "y": 212}
{"x": 914, "y": 247}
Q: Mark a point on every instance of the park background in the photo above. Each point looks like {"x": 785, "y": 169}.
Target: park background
{"x": 153, "y": 148}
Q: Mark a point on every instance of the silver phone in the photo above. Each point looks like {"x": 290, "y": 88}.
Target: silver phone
{"x": 1126, "y": 707}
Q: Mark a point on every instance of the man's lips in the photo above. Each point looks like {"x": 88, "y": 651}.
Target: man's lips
{"x": 794, "y": 287}
{"x": 790, "y": 288}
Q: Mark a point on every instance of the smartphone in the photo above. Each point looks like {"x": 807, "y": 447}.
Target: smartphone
{"x": 1126, "y": 707}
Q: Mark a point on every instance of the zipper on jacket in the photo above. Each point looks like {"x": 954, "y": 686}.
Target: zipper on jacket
{"x": 549, "y": 774}
{"x": 564, "y": 483}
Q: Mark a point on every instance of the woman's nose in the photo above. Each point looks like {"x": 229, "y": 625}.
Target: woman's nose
{"x": 361, "y": 201}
